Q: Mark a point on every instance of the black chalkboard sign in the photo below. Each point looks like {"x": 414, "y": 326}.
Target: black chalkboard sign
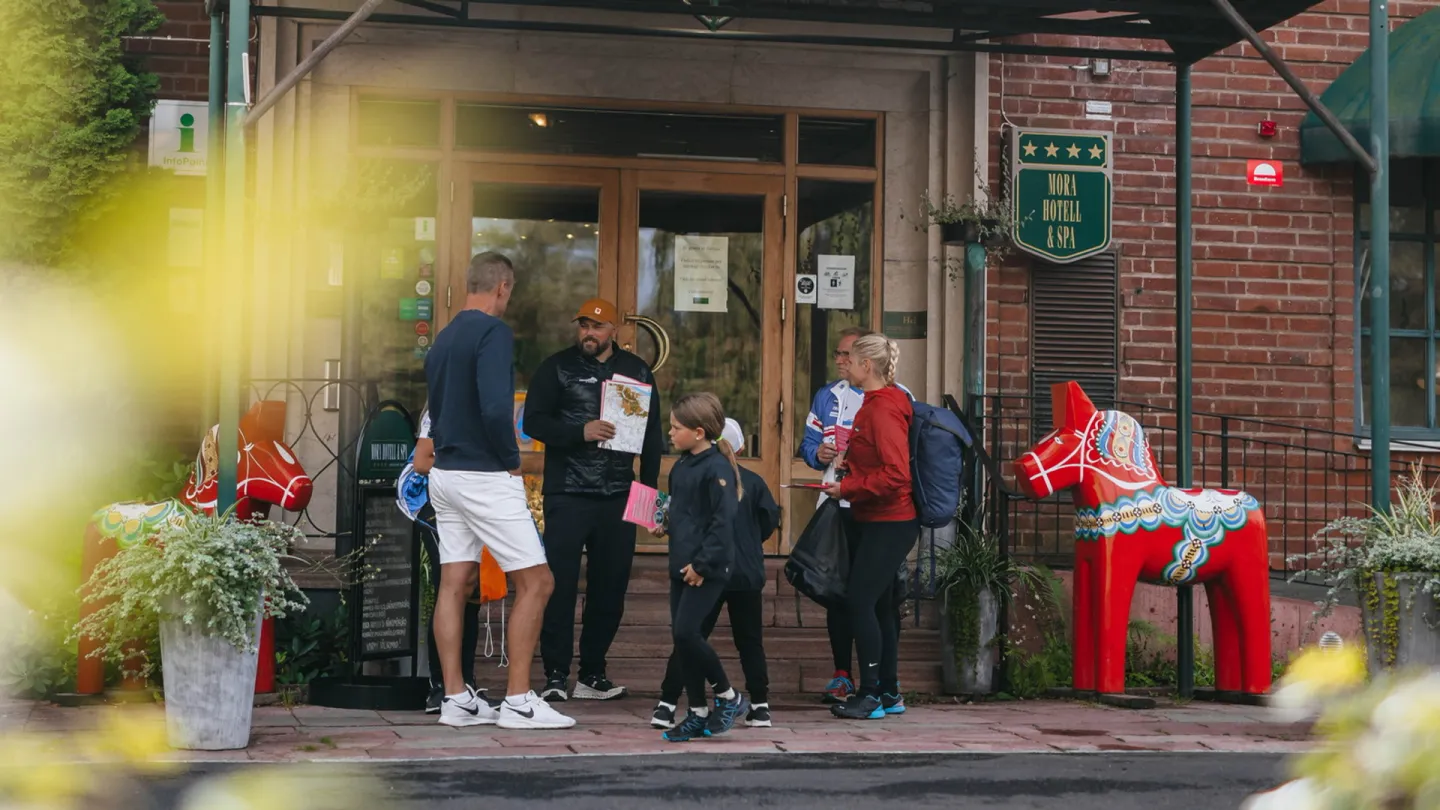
{"x": 388, "y": 588}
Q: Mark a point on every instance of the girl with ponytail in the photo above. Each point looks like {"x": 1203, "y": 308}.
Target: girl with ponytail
{"x": 876, "y": 481}
{"x": 705, "y": 493}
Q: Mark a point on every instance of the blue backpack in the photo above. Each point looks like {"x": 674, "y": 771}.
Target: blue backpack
{"x": 937, "y": 462}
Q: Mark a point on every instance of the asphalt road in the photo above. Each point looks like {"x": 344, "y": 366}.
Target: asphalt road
{"x": 1072, "y": 782}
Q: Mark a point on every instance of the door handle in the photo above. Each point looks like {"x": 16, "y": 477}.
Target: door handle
{"x": 657, "y": 332}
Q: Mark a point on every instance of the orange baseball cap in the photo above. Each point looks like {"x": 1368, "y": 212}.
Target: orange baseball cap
{"x": 598, "y": 310}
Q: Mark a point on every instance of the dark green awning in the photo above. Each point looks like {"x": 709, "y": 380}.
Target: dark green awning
{"x": 1414, "y": 99}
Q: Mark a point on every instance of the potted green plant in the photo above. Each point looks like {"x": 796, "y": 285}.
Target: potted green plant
{"x": 1392, "y": 561}
{"x": 204, "y": 585}
{"x": 986, "y": 221}
{"x": 974, "y": 579}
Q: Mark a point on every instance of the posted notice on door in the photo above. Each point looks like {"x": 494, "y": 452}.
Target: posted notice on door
{"x": 702, "y": 273}
{"x": 837, "y": 282}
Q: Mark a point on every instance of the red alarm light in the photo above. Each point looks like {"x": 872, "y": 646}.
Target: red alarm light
{"x": 1269, "y": 129}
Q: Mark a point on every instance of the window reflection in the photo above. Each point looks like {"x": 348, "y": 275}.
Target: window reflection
{"x": 835, "y": 218}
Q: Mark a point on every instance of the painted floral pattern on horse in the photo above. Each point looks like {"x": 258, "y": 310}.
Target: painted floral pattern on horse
{"x": 132, "y": 521}
{"x": 1202, "y": 515}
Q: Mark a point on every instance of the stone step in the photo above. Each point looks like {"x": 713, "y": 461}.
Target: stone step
{"x": 788, "y": 676}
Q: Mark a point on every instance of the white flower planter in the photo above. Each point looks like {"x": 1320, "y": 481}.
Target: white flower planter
{"x": 209, "y": 688}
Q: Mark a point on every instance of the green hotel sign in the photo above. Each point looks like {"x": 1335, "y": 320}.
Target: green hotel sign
{"x": 1061, "y": 190}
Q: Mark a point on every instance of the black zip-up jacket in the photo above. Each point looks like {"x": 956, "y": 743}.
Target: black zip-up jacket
{"x": 565, "y": 394}
{"x": 757, "y": 517}
{"x": 703, "y": 511}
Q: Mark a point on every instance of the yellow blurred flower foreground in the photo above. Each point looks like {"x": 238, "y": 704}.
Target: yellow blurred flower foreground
{"x": 104, "y": 768}
{"x": 1378, "y": 746}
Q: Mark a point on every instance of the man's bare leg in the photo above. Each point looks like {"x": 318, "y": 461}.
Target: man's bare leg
{"x": 532, "y": 591}
{"x": 457, "y": 582}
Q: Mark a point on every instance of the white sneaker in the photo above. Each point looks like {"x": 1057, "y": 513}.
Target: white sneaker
{"x": 468, "y": 711}
{"x": 532, "y": 713}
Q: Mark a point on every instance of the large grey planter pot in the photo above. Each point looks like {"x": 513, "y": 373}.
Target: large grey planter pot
{"x": 974, "y": 674}
{"x": 1416, "y": 642}
{"x": 209, "y": 688}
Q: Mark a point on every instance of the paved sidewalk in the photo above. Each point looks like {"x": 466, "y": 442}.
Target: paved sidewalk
{"x": 312, "y": 733}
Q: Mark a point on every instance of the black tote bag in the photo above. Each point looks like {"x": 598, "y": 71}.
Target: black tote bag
{"x": 819, "y": 564}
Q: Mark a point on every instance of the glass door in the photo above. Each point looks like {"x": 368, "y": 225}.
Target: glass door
{"x": 560, "y": 228}
{"x": 701, "y": 257}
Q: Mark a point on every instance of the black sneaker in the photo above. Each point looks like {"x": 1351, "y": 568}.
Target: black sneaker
{"x": 724, "y": 714}
{"x": 663, "y": 716}
{"x": 432, "y": 703}
{"x": 554, "y": 691}
{"x": 859, "y": 707}
{"x": 759, "y": 716}
{"x": 597, "y": 687}
{"x": 691, "y": 727}
{"x": 893, "y": 703}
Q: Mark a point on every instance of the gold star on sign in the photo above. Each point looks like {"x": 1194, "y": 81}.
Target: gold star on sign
{"x": 1052, "y": 150}
{"x": 1096, "y": 153}
{"x": 1030, "y": 150}
{"x": 1073, "y": 151}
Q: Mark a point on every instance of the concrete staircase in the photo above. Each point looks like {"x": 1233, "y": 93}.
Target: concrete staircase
{"x": 796, "y": 645}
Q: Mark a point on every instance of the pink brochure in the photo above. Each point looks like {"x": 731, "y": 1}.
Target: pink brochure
{"x": 641, "y": 507}
{"x": 842, "y": 438}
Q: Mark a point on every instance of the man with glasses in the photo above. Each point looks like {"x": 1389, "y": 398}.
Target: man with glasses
{"x": 586, "y": 488}
{"x": 827, "y": 434}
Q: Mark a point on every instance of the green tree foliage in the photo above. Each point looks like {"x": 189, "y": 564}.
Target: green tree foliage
{"x": 71, "y": 104}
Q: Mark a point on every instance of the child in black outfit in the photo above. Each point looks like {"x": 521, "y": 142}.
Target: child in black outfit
{"x": 756, "y": 521}
{"x": 705, "y": 495}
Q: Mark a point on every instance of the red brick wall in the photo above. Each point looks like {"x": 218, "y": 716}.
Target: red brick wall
{"x": 1273, "y": 275}
{"x": 180, "y": 51}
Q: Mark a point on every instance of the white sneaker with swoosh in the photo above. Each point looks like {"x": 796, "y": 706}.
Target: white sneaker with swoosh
{"x": 531, "y": 713}
{"x": 467, "y": 711}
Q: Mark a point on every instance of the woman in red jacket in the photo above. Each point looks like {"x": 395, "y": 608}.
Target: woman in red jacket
{"x": 877, "y": 485}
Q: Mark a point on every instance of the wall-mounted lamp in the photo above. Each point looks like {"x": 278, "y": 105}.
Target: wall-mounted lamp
{"x": 1100, "y": 68}
{"x": 1268, "y": 129}
{"x": 539, "y": 120}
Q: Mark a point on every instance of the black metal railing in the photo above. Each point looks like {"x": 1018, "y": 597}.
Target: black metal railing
{"x": 1304, "y": 477}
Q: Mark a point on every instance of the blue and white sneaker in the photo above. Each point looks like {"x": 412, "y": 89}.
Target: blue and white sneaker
{"x": 859, "y": 707}
{"x": 691, "y": 727}
{"x": 726, "y": 713}
{"x": 893, "y": 704}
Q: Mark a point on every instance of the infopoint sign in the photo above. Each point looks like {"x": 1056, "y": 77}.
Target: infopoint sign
{"x": 1061, "y": 192}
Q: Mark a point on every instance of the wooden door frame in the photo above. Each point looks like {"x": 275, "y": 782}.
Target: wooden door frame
{"x": 467, "y": 175}
{"x": 771, "y": 464}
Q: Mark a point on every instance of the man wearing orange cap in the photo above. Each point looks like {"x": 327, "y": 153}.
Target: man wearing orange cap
{"x": 586, "y": 488}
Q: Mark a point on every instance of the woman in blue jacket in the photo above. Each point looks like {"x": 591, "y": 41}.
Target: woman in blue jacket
{"x": 705, "y": 493}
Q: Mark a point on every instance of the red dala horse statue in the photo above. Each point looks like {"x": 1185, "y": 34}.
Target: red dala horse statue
{"x": 267, "y": 474}
{"x": 1130, "y": 525}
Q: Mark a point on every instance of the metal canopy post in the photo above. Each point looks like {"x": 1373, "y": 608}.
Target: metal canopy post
{"x": 1184, "y": 371}
{"x": 230, "y": 301}
{"x": 1380, "y": 256}
{"x": 214, "y": 206}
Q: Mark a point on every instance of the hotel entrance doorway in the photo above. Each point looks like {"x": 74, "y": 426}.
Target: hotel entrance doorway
{"x": 695, "y": 256}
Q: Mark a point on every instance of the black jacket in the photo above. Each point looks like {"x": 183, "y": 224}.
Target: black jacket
{"x": 703, "y": 512}
{"x": 757, "y": 517}
{"x": 565, "y": 394}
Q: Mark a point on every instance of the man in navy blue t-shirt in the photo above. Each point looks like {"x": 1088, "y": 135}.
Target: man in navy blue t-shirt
{"x": 479, "y": 496}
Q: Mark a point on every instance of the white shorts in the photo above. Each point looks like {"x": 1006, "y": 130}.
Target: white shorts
{"x": 475, "y": 510}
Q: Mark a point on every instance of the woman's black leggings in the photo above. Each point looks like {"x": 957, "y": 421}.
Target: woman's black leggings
{"x": 689, "y": 608}
{"x": 880, "y": 548}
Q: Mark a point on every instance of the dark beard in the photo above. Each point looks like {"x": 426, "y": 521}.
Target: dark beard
{"x": 600, "y": 348}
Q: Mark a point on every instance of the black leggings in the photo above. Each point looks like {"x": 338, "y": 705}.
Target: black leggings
{"x": 689, "y": 608}
{"x": 880, "y": 548}
{"x": 747, "y": 621}
{"x": 471, "y": 634}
